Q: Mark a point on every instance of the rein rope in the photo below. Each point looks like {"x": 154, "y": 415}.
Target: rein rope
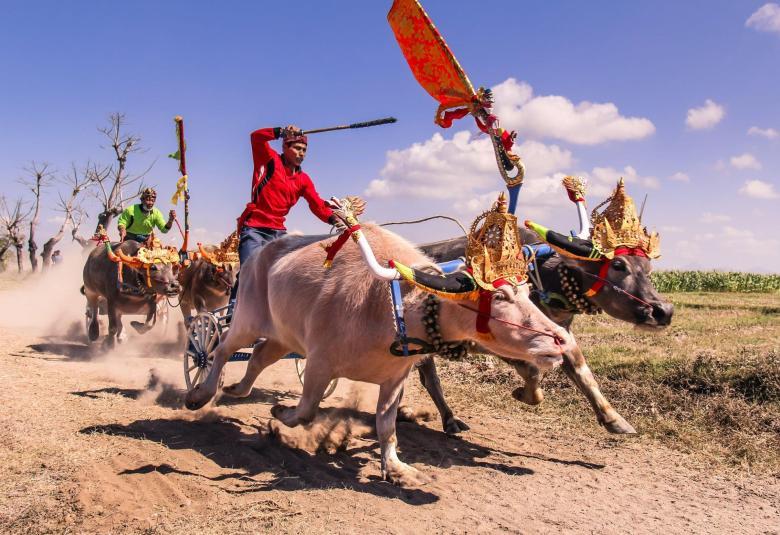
{"x": 555, "y": 337}
{"x": 423, "y": 220}
{"x": 617, "y": 288}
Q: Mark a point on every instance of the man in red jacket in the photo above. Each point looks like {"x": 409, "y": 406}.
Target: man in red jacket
{"x": 277, "y": 184}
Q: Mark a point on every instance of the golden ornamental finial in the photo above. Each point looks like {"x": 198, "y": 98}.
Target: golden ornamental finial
{"x": 494, "y": 249}
{"x": 618, "y": 225}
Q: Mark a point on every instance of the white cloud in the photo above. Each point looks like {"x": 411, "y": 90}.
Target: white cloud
{"x": 766, "y": 18}
{"x": 680, "y": 177}
{"x": 672, "y": 229}
{"x": 553, "y": 116}
{"x": 706, "y": 116}
{"x": 759, "y": 190}
{"x": 458, "y": 168}
{"x": 745, "y": 161}
{"x": 709, "y": 217}
{"x": 769, "y": 133}
{"x": 604, "y": 179}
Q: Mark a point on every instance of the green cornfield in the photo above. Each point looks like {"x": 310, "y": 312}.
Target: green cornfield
{"x": 715, "y": 281}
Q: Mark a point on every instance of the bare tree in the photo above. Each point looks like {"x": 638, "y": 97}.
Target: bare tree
{"x": 78, "y": 219}
{"x": 12, "y": 220}
{"x": 78, "y": 182}
{"x": 39, "y": 177}
{"x": 5, "y": 244}
{"x": 113, "y": 182}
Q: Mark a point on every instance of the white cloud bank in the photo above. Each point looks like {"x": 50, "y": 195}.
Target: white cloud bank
{"x": 705, "y": 116}
{"x": 680, "y": 177}
{"x": 769, "y": 133}
{"x": 745, "y": 161}
{"x": 456, "y": 168}
{"x": 556, "y": 117}
{"x": 766, "y": 18}
{"x": 758, "y": 189}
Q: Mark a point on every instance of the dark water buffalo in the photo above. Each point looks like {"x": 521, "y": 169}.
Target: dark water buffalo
{"x": 631, "y": 274}
{"x": 133, "y": 296}
{"x": 204, "y": 287}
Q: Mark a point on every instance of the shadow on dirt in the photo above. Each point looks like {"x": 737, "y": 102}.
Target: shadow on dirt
{"x": 73, "y": 351}
{"x": 259, "y": 395}
{"x": 260, "y": 462}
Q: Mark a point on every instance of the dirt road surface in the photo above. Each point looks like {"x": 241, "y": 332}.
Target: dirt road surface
{"x": 94, "y": 443}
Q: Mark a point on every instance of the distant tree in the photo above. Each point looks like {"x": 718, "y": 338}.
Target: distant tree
{"x": 114, "y": 181}
{"x": 5, "y": 244}
{"x": 11, "y": 220}
{"x": 39, "y": 177}
{"x": 77, "y": 182}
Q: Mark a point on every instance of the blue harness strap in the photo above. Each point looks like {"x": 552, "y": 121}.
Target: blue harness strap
{"x": 398, "y": 311}
{"x": 514, "y": 191}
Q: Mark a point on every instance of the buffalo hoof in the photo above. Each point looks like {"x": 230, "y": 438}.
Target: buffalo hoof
{"x": 406, "y": 414}
{"x": 197, "y": 398}
{"x": 403, "y": 475}
{"x": 94, "y": 331}
{"x": 140, "y": 328}
{"x": 235, "y": 391}
{"x": 619, "y": 426}
{"x": 286, "y": 415}
{"x": 453, "y": 426}
{"x": 533, "y": 397}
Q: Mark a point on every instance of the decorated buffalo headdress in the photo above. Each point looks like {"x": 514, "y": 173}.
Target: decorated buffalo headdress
{"x": 618, "y": 225}
{"x": 616, "y": 230}
{"x": 150, "y": 254}
{"x": 493, "y": 258}
{"x": 225, "y": 254}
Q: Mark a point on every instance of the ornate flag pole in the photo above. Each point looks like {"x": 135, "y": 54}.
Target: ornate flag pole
{"x": 436, "y": 69}
{"x": 182, "y": 189}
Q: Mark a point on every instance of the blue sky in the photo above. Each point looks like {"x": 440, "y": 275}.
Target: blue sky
{"x": 229, "y": 68}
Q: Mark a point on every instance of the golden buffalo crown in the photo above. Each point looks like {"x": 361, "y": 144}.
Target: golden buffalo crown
{"x": 618, "y": 225}
{"x": 154, "y": 253}
{"x": 494, "y": 249}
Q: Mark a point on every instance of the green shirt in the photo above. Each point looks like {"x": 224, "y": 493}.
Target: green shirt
{"x": 136, "y": 221}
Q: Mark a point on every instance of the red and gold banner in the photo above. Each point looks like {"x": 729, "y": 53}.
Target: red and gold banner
{"x": 432, "y": 63}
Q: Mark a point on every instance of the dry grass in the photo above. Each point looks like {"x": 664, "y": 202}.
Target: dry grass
{"x": 709, "y": 385}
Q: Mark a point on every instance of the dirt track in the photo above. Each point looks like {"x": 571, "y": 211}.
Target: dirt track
{"x": 87, "y": 446}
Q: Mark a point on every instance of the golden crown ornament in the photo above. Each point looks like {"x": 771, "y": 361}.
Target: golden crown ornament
{"x": 226, "y": 253}
{"x": 618, "y": 225}
{"x": 154, "y": 253}
{"x": 494, "y": 249}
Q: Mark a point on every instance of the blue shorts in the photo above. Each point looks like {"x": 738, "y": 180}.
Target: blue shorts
{"x": 254, "y": 239}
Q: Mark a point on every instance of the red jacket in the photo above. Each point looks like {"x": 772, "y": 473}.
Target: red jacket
{"x": 274, "y": 191}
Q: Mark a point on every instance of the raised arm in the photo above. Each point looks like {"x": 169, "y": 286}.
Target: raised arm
{"x": 261, "y": 151}
{"x": 316, "y": 204}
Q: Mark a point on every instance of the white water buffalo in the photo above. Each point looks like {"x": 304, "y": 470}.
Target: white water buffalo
{"x": 138, "y": 293}
{"x": 341, "y": 319}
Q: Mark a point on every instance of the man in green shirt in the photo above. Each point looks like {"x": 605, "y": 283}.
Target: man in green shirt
{"x": 136, "y": 222}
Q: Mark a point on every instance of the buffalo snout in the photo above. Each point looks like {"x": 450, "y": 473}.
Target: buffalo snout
{"x": 662, "y": 313}
{"x": 173, "y": 288}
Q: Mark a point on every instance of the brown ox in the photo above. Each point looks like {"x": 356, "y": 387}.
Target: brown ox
{"x": 204, "y": 287}
{"x": 341, "y": 319}
{"x": 135, "y": 297}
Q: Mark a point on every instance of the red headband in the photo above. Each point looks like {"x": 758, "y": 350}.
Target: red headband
{"x": 289, "y": 140}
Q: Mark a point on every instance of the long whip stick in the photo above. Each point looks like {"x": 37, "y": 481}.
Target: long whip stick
{"x": 386, "y": 120}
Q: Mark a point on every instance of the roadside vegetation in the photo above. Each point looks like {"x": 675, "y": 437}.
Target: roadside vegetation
{"x": 708, "y": 385}
{"x": 715, "y": 281}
